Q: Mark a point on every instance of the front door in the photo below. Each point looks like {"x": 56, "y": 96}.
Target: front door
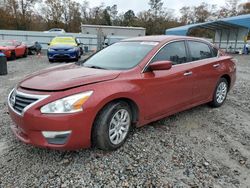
{"x": 167, "y": 91}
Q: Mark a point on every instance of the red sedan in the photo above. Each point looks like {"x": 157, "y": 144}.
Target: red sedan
{"x": 128, "y": 84}
{"x": 13, "y": 49}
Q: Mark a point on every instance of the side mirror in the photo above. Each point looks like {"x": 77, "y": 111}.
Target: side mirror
{"x": 160, "y": 65}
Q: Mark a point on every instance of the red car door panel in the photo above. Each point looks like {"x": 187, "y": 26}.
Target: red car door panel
{"x": 167, "y": 90}
{"x": 206, "y": 66}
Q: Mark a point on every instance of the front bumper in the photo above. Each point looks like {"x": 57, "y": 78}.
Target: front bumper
{"x": 7, "y": 53}
{"x": 58, "y": 55}
{"x": 32, "y": 127}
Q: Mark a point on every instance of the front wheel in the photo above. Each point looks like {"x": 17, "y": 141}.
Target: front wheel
{"x": 112, "y": 126}
{"x": 220, "y": 93}
{"x": 13, "y": 55}
{"x": 51, "y": 60}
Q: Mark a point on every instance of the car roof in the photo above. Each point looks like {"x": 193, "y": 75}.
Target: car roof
{"x": 161, "y": 38}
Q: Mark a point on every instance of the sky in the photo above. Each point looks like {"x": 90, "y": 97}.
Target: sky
{"x": 139, "y": 5}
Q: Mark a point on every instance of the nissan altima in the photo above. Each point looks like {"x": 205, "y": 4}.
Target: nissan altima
{"x": 129, "y": 84}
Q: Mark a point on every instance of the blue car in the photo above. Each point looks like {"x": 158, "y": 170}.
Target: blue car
{"x": 64, "y": 48}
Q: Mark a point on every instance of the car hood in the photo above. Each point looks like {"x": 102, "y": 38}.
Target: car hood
{"x": 66, "y": 77}
{"x": 62, "y": 46}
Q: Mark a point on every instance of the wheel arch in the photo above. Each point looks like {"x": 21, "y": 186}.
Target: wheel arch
{"x": 228, "y": 78}
{"x": 132, "y": 104}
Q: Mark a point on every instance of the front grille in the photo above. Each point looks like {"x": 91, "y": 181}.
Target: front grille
{"x": 22, "y": 102}
{"x": 61, "y": 56}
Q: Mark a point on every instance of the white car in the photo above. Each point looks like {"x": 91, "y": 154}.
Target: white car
{"x": 55, "y": 30}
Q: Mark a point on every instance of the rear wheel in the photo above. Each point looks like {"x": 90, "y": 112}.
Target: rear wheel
{"x": 220, "y": 93}
{"x": 13, "y": 55}
{"x": 25, "y": 53}
{"x": 112, "y": 126}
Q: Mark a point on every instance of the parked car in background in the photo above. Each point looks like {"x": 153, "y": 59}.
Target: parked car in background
{"x": 131, "y": 83}
{"x": 64, "y": 48}
{"x": 55, "y": 30}
{"x": 13, "y": 49}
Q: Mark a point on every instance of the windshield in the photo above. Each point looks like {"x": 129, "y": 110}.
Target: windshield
{"x": 6, "y": 43}
{"x": 120, "y": 56}
{"x": 63, "y": 40}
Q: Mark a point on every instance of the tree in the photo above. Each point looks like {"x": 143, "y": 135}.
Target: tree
{"x": 129, "y": 18}
{"x": 244, "y": 8}
{"x": 113, "y": 14}
{"x": 156, "y": 7}
{"x": 53, "y": 13}
{"x": 230, "y": 9}
{"x": 187, "y": 15}
{"x": 21, "y": 11}
{"x": 106, "y": 18}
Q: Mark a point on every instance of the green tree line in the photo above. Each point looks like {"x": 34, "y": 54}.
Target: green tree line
{"x": 70, "y": 14}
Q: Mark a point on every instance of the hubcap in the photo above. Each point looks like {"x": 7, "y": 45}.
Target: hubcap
{"x": 221, "y": 92}
{"x": 119, "y": 126}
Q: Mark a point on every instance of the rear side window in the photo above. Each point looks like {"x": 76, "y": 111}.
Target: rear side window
{"x": 175, "y": 52}
{"x": 199, "y": 50}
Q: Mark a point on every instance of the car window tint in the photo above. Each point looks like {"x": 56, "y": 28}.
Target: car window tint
{"x": 175, "y": 52}
{"x": 199, "y": 50}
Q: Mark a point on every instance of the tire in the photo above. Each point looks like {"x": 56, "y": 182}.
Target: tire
{"x": 51, "y": 60}
{"x": 108, "y": 134}
{"x": 13, "y": 55}
{"x": 25, "y": 53}
{"x": 220, "y": 93}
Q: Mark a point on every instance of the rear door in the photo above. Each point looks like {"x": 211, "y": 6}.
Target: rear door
{"x": 168, "y": 91}
{"x": 206, "y": 69}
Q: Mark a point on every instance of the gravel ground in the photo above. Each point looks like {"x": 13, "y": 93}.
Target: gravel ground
{"x": 201, "y": 147}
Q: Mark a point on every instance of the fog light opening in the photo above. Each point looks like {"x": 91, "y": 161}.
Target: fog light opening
{"x": 56, "y": 137}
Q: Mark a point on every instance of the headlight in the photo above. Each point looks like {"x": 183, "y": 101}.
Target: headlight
{"x": 69, "y": 104}
{"x": 50, "y": 50}
{"x": 72, "y": 49}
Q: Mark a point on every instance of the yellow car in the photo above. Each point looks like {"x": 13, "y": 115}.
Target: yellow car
{"x": 64, "y": 48}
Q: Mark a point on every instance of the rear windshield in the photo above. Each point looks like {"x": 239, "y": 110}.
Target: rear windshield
{"x": 121, "y": 55}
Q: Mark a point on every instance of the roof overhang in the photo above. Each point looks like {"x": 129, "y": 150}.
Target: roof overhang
{"x": 236, "y": 22}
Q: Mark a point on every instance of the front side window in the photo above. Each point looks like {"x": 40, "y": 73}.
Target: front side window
{"x": 199, "y": 50}
{"x": 120, "y": 56}
{"x": 174, "y": 52}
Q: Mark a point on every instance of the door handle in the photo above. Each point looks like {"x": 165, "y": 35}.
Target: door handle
{"x": 216, "y": 65}
{"x": 188, "y": 73}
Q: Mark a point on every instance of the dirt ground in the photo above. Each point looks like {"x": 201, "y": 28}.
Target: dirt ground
{"x": 201, "y": 147}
